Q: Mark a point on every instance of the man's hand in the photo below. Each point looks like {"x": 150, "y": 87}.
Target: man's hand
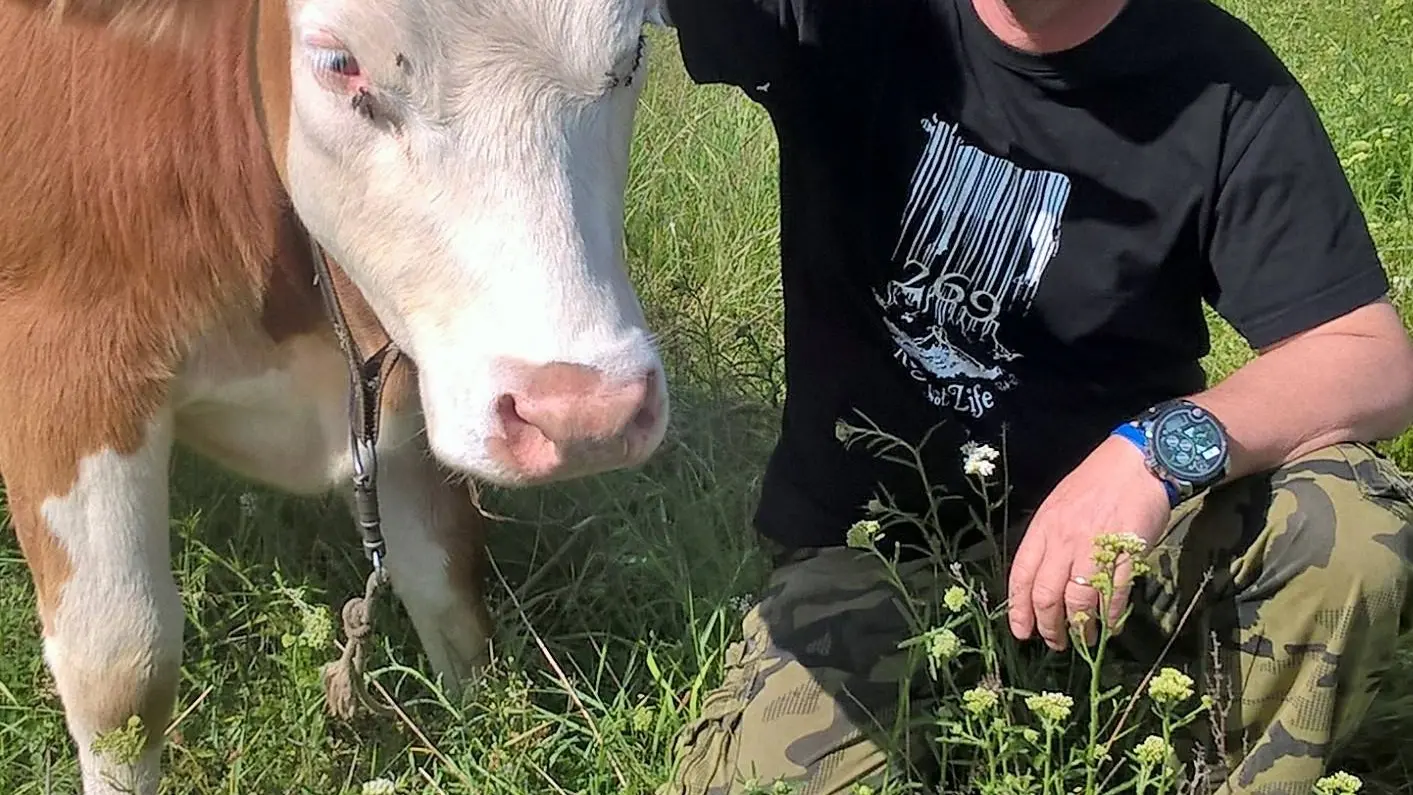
{"x": 1354, "y": 376}
{"x": 1111, "y": 491}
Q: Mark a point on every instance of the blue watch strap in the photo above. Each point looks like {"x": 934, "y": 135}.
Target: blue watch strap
{"x": 1135, "y": 434}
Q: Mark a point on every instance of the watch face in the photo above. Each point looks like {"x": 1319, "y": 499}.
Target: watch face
{"x": 1189, "y": 444}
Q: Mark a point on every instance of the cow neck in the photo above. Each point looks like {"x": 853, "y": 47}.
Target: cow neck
{"x": 270, "y": 87}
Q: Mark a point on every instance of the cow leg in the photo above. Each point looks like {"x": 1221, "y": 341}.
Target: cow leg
{"x": 278, "y": 413}
{"x": 436, "y": 560}
{"x": 93, "y": 528}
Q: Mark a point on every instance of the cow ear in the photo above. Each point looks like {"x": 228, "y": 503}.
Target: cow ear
{"x": 655, "y": 13}
{"x": 180, "y": 22}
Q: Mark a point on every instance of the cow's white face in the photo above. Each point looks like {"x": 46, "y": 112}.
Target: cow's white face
{"x": 465, "y": 162}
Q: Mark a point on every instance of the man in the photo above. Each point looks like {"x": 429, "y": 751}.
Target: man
{"x": 1000, "y": 219}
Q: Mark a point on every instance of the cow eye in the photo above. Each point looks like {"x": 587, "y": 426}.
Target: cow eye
{"x": 339, "y": 62}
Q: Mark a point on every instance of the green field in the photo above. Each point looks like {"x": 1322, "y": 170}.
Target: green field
{"x": 615, "y": 596}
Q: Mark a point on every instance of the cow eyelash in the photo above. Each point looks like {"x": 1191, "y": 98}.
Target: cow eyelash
{"x": 617, "y": 81}
{"x": 332, "y": 61}
{"x": 340, "y": 62}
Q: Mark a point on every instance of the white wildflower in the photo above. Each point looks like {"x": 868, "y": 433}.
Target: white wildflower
{"x": 863, "y": 534}
{"x": 980, "y": 700}
{"x": 742, "y": 603}
{"x": 956, "y": 598}
{"x": 978, "y": 459}
{"x": 1170, "y": 686}
{"x": 1340, "y": 783}
{"x": 1051, "y": 708}
{"x": 249, "y": 505}
{"x": 1152, "y": 751}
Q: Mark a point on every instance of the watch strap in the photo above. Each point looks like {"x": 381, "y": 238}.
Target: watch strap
{"x": 1133, "y": 432}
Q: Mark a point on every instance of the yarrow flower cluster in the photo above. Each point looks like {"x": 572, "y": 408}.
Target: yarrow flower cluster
{"x": 249, "y": 505}
{"x": 862, "y": 534}
{"x": 777, "y": 786}
{"x": 945, "y": 645}
{"x": 742, "y": 603}
{"x": 643, "y": 718}
{"x": 978, "y": 459}
{"x": 1012, "y": 782}
{"x": 318, "y": 628}
{"x": 955, "y": 598}
{"x": 842, "y": 431}
{"x": 1340, "y": 783}
{"x": 1111, "y": 545}
{"x": 1170, "y": 686}
{"x": 1052, "y": 708}
{"x": 1108, "y": 548}
{"x": 1154, "y": 750}
{"x": 980, "y": 700}
{"x": 379, "y": 786}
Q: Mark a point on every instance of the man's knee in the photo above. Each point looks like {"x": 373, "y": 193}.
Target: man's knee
{"x": 1340, "y": 520}
{"x": 836, "y": 609}
{"x": 1323, "y": 593}
{"x": 1312, "y": 603}
{"x": 806, "y": 688}
{"x": 1334, "y": 522}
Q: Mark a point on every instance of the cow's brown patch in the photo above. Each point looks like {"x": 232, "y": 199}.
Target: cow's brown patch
{"x": 137, "y": 216}
{"x": 142, "y": 210}
{"x": 158, "y": 22}
{"x": 143, "y": 221}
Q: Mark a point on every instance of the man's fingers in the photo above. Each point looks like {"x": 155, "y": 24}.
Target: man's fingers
{"x": 1123, "y": 587}
{"x": 1023, "y": 568}
{"x": 1082, "y": 597}
{"x": 1051, "y": 595}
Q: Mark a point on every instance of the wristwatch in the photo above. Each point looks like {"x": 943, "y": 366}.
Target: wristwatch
{"x": 1183, "y": 445}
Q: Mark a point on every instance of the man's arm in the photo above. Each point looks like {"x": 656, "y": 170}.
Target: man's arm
{"x": 1348, "y": 379}
{"x": 1297, "y": 274}
{"x": 1295, "y": 271}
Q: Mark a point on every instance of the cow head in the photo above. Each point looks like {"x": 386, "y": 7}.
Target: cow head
{"x": 464, "y": 161}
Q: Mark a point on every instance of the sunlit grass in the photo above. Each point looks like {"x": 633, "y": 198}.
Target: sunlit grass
{"x": 646, "y": 570}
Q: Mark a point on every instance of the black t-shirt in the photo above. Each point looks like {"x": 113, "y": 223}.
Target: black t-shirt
{"x": 976, "y": 240}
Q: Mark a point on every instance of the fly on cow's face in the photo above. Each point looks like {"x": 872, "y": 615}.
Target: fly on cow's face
{"x": 363, "y": 102}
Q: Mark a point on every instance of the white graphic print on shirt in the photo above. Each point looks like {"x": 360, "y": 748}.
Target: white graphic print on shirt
{"x": 977, "y": 234}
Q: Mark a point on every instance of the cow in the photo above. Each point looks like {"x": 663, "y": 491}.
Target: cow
{"x": 176, "y": 176}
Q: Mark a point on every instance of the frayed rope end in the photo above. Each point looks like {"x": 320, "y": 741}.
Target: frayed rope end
{"x": 344, "y": 689}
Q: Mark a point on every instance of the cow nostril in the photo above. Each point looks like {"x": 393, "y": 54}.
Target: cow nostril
{"x": 512, "y": 422}
{"x": 646, "y": 417}
{"x": 525, "y": 444}
{"x": 566, "y": 408}
{"x": 649, "y": 407}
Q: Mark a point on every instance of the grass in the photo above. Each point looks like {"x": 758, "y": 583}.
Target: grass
{"x": 616, "y": 596}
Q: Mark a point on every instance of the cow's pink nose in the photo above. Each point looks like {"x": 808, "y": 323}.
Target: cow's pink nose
{"x": 565, "y": 418}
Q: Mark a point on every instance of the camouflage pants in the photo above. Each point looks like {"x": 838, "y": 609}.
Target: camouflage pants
{"x": 1309, "y": 594}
